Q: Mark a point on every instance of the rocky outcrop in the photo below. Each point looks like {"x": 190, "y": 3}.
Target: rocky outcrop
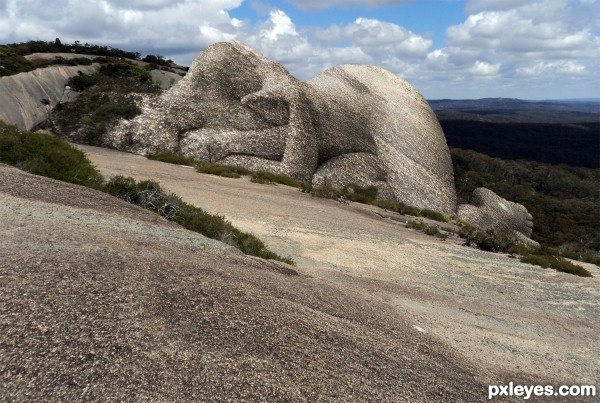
{"x": 27, "y": 98}
{"x": 237, "y": 107}
{"x": 490, "y": 211}
{"x": 349, "y": 125}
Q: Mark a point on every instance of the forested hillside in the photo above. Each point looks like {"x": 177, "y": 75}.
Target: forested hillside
{"x": 564, "y": 201}
{"x": 551, "y": 143}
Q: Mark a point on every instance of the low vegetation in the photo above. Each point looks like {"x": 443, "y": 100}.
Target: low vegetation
{"x": 545, "y": 257}
{"x": 173, "y": 158}
{"x": 556, "y": 263}
{"x": 427, "y": 229}
{"x": 103, "y": 98}
{"x": 368, "y": 195}
{"x": 270, "y": 178}
{"x": 564, "y": 201}
{"x": 12, "y": 60}
{"x": 148, "y": 194}
{"x": 227, "y": 171}
{"x": 46, "y": 155}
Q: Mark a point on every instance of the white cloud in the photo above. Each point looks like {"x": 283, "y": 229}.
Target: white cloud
{"x": 568, "y": 67}
{"x": 480, "y": 68}
{"x": 510, "y": 45}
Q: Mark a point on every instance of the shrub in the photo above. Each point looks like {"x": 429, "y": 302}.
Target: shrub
{"x": 408, "y": 210}
{"x": 269, "y": 177}
{"x": 577, "y": 252}
{"x": 434, "y": 215}
{"x": 556, "y": 263}
{"x": 102, "y": 101}
{"x": 488, "y": 240}
{"x": 427, "y": 229}
{"x": 220, "y": 170}
{"x": 386, "y": 204}
{"x": 148, "y": 194}
{"x": 46, "y": 155}
{"x": 359, "y": 194}
{"x": 173, "y": 158}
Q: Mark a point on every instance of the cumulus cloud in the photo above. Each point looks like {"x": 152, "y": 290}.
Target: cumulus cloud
{"x": 501, "y": 44}
{"x": 480, "y": 68}
{"x": 512, "y": 41}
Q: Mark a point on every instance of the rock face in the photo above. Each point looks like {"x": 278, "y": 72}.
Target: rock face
{"x": 350, "y": 124}
{"x": 27, "y": 98}
{"x": 490, "y": 211}
{"x": 104, "y": 300}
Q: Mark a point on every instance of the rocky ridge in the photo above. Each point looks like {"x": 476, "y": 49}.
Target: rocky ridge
{"x": 28, "y": 98}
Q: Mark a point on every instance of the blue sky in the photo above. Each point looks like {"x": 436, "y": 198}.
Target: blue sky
{"x": 460, "y": 49}
{"x": 426, "y": 17}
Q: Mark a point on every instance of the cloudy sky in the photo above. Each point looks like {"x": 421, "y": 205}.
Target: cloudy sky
{"x": 531, "y": 49}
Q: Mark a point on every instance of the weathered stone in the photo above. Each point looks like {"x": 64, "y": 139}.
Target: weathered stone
{"x": 27, "y": 98}
{"x": 490, "y": 211}
{"x": 349, "y": 125}
{"x": 237, "y": 107}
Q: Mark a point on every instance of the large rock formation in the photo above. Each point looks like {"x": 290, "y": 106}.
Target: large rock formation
{"x": 27, "y": 98}
{"x": 490, "y": 211}
{"x": 350, "y": 124}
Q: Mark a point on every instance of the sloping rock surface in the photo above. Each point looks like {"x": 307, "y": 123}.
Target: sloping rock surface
{"x": 26, "y": 99}
{"x": 101, "y": 300}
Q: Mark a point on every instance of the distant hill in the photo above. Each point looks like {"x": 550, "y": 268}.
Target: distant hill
{"x": 502, "y": 110}
{"x": 553, "y": 132}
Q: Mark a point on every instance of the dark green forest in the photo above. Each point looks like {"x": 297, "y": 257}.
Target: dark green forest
{"x": 551, "y": 143}
{"x": 564, "y": 200}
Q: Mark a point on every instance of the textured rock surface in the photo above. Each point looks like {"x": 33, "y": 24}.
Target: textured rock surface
{"x": 490, "y": 211}
{"x": 237, "y": 107}
{"x": 104, "y": 301}
{"x": 350, "y": 124}
{"x": 370, "y": 110}
{"x": 21, "y": 95}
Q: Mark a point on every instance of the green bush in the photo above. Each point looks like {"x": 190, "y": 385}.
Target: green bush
{"x": 578, "y": 252}
{"x": 173, "y": 158}
{"x": 148, "y": 194}
{"x": 386, "y": 204}
{"x": 359, "y": 194}
{"x": 427, "y": 229}
{"x": 46, "y": 155}
{"x": 556, "y": 263}
{"x": 488, "y": 240}
{"x": 434, "y": 215}
{"x": 227, "y": 171}
{"x": 269, "y": 177}
{"x": 102, "y": 101}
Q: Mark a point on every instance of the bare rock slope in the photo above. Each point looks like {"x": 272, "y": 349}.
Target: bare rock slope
{"x": 26, "y": 99}
{"x": 514, "y": 319}
{"x": 102, "y": 300}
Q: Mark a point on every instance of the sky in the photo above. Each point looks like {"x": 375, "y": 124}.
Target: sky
{"x": 458, "y": 49}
